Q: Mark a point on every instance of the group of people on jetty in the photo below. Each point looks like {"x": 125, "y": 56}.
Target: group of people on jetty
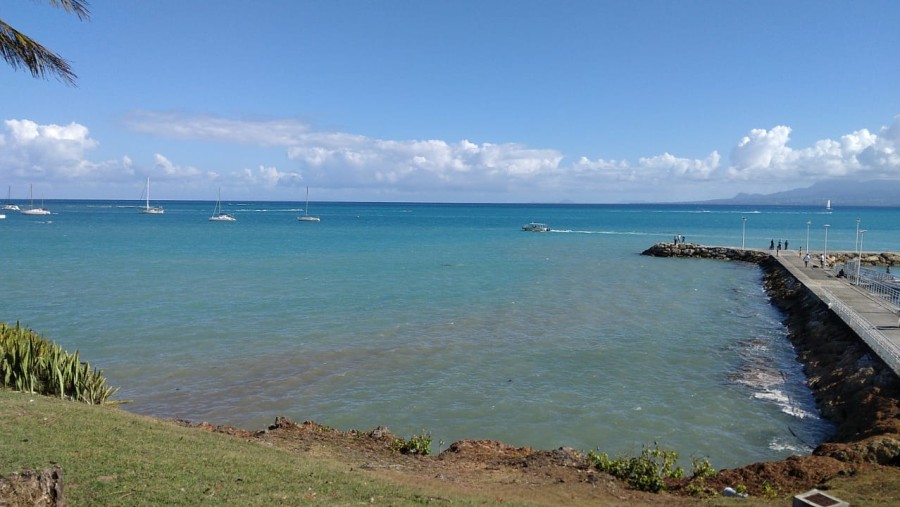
{"x": 806, "y": 258}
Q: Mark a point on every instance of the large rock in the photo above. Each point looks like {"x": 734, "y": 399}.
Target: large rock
{"x": 33, "y": 489}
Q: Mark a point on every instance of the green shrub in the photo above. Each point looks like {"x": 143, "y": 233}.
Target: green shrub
{"x": 701, "y": 468}
{"x": 646, "y": 472}
{"x": 416, "y": 444}
{"x": 31, "y": 363}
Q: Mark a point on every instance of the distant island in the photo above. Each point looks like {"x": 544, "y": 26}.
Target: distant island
{"x": 840, "y": 192}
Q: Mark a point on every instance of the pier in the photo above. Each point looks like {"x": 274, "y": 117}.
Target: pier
{"x": 868, "y": 306}
{"x": 873, "y": 316}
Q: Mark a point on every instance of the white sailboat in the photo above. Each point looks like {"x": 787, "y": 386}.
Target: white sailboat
{"x": 219, "y": 215}
{"x": 9, "y": 206}
{"x": 31, "y": 209}
{"x": 828, "y": 205}
{"x": 147, "y": 209}
{"x": 306, "y": 216}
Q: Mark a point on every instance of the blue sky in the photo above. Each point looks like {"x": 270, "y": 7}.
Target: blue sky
{"x": 453, "y": 101}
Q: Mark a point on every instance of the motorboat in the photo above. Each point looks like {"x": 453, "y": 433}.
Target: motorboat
{"x": 536, "y": 227}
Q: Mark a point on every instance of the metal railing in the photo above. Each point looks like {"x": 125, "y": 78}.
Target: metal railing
{"x": 876, "y": 283}
{"x": 875, "y": 339}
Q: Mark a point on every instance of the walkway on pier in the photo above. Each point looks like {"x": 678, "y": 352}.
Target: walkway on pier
{"x": 874, "y": 319}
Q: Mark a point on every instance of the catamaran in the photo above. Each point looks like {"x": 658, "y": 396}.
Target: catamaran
{"x": 31, "y": 209}
{"x": 306, "y": 216}
{"x": 9, "y": 206}
{"x": 219, "y": 215}
{"x": 147, "y": 209}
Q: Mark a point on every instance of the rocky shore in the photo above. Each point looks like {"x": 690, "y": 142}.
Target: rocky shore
{"x": 854, "y": 389}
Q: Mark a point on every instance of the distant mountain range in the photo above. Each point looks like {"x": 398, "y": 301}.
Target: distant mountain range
{"x": 841, "y": 193}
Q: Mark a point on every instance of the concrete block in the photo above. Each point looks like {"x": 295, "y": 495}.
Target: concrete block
{"x": 816, "y": 498}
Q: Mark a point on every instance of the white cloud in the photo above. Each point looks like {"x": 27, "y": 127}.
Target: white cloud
{"x": 763, "y": 160}
{"x": 765, "y": 156}
{"x": 273, "y": 132}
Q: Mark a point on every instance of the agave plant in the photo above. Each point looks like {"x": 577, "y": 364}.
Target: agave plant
{"x": 31, "y": 363}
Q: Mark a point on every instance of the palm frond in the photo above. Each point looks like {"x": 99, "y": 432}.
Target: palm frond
{"x": 76, "y": 7}
{"x": 20, "y": 51}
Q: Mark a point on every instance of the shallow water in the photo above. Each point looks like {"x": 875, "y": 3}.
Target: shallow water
{"x": 443, "y": 318}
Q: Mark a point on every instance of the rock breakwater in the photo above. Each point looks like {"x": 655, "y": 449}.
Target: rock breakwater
{"x": 853, "y": 388}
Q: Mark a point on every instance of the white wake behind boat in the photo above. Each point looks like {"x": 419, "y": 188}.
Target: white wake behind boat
{"x": 306, "y": 216}
{"x": 219, "y": 215}
{"x": 147, "y": 209}
{"x": 31, "y": 209}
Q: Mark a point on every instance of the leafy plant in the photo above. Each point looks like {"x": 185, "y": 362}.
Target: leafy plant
{"x": 702, "y": 468}
{"x": 416, "y": 444}
{"x": 646, "y": 472}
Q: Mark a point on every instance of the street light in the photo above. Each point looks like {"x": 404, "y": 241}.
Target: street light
{"x": 825, "y": 250}
{"x": 743, "y": 229}
{"x": 856, "y": 245}
{"x": 808, "y": 223}
{"x": 862, "y": 234}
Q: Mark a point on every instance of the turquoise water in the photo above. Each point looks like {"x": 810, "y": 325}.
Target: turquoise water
{"x": 444, "y": 318}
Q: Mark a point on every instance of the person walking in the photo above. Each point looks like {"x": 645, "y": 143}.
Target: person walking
{"x": 806, "y": 260}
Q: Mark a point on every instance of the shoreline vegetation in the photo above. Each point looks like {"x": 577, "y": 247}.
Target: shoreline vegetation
{"x": 111, "y": 457}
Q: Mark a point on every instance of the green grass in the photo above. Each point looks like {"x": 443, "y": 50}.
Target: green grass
{"x": 112, "y": 457}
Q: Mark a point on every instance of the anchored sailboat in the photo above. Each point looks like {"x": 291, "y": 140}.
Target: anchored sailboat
{"x": 306, "y": 216}
{"x": 31, "y": 209}
{"x": 219, "y": 215}
{"x": 147, "y": 209}
{"x": 9, "y": 206}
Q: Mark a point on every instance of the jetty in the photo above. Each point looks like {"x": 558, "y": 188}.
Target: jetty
{"x": 869, "y": 304}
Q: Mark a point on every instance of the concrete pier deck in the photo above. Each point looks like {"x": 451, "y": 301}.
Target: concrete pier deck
{"x": 874, "y": 319}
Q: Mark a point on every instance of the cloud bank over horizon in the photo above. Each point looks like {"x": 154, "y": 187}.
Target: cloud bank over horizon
{"x": 347, "y": 166}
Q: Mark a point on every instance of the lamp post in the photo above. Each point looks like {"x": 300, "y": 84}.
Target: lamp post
{"x": 808, "y": 223}
{"x": 862, "y": 233}
{"x": 743, "y": 230}
{"x": 856, "y": 245}
{"x": 825, "y": 250}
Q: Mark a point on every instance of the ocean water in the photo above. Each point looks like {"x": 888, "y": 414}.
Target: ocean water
{"x": 444, "y": 318}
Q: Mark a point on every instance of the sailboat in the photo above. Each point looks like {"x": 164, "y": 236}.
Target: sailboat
{"x": 147, "y": 209}
{"x": 828, "y": 205}
{"x": 306, "y": 216}
{"x": 219, "y": 215}
{"x": 31, "y": 209}
{"x": 9, "y": 206}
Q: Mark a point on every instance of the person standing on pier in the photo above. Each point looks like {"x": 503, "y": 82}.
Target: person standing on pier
{"x": 772, "y": 245}
{"x": 785, "y": 244}
{"x": 778, "y": 251}
{"x": 806, "y": 260}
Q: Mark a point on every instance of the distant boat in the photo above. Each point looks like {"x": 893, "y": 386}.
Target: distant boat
{"x": 32, "y": 210}
{"x": 148, "y": 210}
{"x": 219, "y": 215}
{"x": 828, "y": 205}
{"x": 306, "y": 216}
{"x": 9, "y": 206}
{"x": 536, "y": 227}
